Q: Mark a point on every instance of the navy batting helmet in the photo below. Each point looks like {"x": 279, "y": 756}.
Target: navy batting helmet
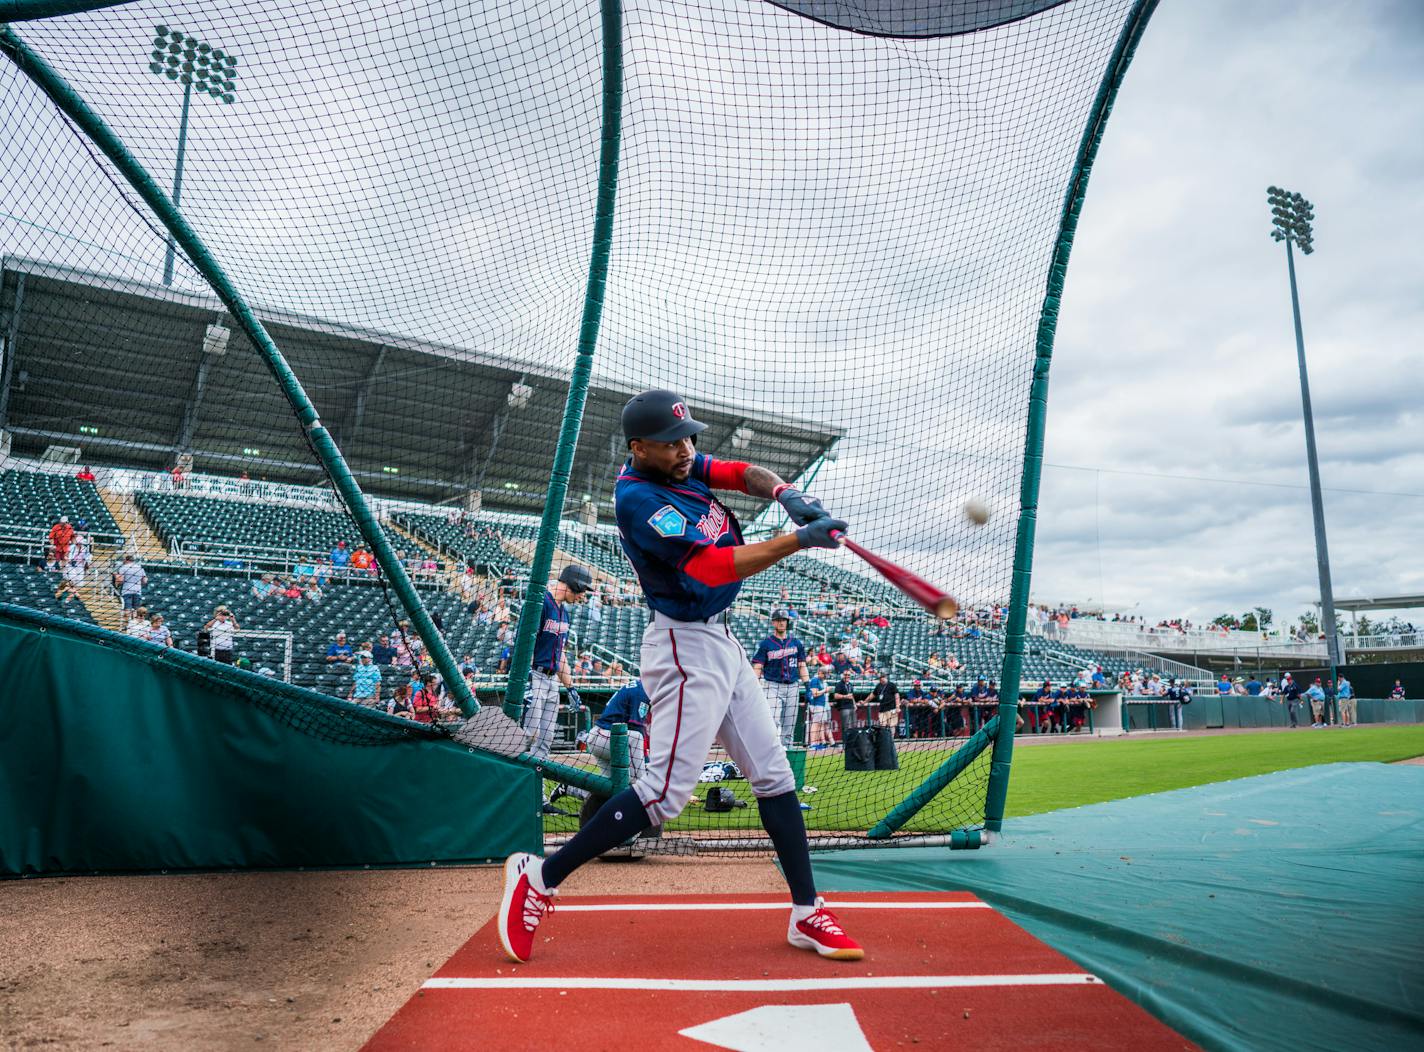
{"x": 659, "y": 416}
{"x": 576, "y": 577}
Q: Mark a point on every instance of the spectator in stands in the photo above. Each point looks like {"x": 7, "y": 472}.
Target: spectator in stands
{"x": 1268, "y": 689}
{"x": 323, "y": 573}
{"x": 85, "y": 475}
{"x": 76, "y": 568}
{"x": 1253, "y": 686}
{"x": 1316, "y": 693}
{"x": 616, "y": 672}
{"x": 952, "y": 663}
{"x": 139, "y": 624}
{"x": 399, "y": 703}
{"x": 340, "y": 556}
{"x": 1238, "y": 687}
{"x": 365, "y": 682}
{"x": 158, "y": 632}
{"x": 179, "y": 477}
{"x": 934, "y": 660}
{"x": 222, "y": 628}
{"x": 383, "y": 650}
{"x": 1397, "y": 694}
{"x": 264, "y": 587}
{"x": 340, "y": 652}
{"x": 851, "y": 649}
{"x": 595, "y": 607}
{"x": 501, "y": 615}
{"x": 362, "y": 561}
{"x": 506, "y": 653}
{"x": 314, "y": 593}
{"x": 130, "y": 580}
{"x": 291, "y": 590}
{"x": 60, "y": 536}
{"x": 426, "y": 702}
{"x": 479, "y": 611}
{"x": 1345, "y": 700}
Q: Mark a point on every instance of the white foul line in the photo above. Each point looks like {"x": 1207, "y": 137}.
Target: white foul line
{"x": 848, "y": 904}
{"x": 866, "y": 982}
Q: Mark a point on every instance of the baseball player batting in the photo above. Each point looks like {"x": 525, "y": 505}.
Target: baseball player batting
{"x": 551, "y": 666}
{"x": 687, "y": 549}
{"x": 780, "y": 660}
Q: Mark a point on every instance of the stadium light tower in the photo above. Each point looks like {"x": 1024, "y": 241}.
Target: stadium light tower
{"x": 190, "y": 62}
{"x": 1291, "y": 215}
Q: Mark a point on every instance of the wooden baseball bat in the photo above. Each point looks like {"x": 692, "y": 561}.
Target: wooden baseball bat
{"x": 935, "y": 600}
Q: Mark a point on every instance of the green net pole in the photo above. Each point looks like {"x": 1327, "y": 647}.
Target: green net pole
{"x": 581, "y": 777}
{"x": 611, "y": 137}
{"x": 92, "y": 125}
{"x": 1012, "y": 671}
{"x": 27, "y": 10}
{"x": 926, "y": 791}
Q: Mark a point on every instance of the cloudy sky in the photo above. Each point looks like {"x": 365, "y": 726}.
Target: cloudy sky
{"x": 1179, "y": 480}
{"x": 851, "y": 231}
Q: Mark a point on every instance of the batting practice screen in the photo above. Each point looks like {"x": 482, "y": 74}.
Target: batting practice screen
{"x": 337, "y": 307}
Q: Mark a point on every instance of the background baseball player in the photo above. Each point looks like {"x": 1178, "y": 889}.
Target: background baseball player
{"x": 687, "y": 549}
{"x": 629, "y": 705}
{"x": 780, "y": 660}
{"x": 551, "y": 665}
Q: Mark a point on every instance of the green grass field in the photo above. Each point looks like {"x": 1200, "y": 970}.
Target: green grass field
{"x": 1068, "y": 773}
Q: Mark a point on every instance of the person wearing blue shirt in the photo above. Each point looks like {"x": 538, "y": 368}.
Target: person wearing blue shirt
{"x": 341, "y": 556}
{"x": 551, "y": 664}
{"x": 340, "y": 652}
{"x": 365, "y": 682}
{"x": 688, "y": 552}
{"x": 1345, "y": 701}
{"x": 818, "y": 713}
{"x": 1316, "y": 693}
{"x": 1223, "y": 685}
{"x": 780, "y": 660}
{"x": 1253, "y": 687}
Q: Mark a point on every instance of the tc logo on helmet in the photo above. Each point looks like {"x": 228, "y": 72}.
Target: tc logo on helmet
{"x": 679, "y": 410}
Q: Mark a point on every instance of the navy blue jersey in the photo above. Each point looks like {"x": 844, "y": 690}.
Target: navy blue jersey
{"x": 553, "y": 630}
{"x": 629, "y": 705}
{"x": 780, "y": 659}
{"x": 662, "y": 525}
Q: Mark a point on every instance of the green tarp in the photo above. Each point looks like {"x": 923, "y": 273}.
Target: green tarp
{"x": 117, "y": 756}
{"x": 1275, "y": 912}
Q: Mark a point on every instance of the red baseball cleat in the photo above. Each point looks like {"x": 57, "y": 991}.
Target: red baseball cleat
{"x": 823, "y": 933}
{"x": 522, "y": 907}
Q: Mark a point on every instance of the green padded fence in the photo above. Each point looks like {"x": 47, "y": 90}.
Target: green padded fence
{"x": 119, "y": 756}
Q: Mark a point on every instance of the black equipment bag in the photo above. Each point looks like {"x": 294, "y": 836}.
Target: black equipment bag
{"x": 885, "y": 757}
{"x": 859, "y": 748}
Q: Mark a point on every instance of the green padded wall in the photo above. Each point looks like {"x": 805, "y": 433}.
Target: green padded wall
{"x": 115, "y": 757}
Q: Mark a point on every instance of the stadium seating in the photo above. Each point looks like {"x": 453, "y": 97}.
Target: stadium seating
{"x": 37, "y": 499}
{"x": 363, "y": 611}
{"x": 481, "y": 551}
{"x": 28, "y": 586}
{"x": 210, "y": 524}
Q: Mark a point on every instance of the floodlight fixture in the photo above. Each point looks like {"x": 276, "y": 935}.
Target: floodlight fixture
{"x": 194, "y": 63}
{"x": 1292, "y": 217}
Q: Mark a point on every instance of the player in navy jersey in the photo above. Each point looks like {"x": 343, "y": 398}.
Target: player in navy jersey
{"x": 780, "y": 660}
{"x": 687, "y": 549}
{"x": 551, "y": 665}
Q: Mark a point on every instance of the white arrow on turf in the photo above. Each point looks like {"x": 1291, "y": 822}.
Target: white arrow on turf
{"x": 785, "y": 1028}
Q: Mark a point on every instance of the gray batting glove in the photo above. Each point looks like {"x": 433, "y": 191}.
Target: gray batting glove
{"x": 822, "y": 533}
{"x": 802, "y": 509}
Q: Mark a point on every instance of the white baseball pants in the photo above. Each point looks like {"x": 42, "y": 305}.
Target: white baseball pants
{"x": 598, "y": 740}
{"x": 703, "y": 690}
{"x": 782, "y": 701}
{"x": 541, "y": 712}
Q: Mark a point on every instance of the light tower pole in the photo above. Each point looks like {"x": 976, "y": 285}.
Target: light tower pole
{"x": 1291, "y": 216}
{"x": 190, "y": 62}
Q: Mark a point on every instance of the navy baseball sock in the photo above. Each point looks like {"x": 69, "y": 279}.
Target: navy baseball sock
{"x": 622, "y": 817}
{"x": 781, "y": 817}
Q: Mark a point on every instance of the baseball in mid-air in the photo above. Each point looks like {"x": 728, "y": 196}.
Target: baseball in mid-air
{"x": 976, "y": 511}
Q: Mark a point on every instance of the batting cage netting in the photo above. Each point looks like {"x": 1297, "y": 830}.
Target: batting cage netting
{"x": 327, "y": 312}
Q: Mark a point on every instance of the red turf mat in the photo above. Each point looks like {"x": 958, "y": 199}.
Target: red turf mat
{"x": 941, "y": 971}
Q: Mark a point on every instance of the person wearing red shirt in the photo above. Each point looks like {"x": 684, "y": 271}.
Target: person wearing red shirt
{"x": 426, "y": 701}
{"x": 361, "y": 560}
{"x": 60, "y": 536}
{"x": 85, "y": 475}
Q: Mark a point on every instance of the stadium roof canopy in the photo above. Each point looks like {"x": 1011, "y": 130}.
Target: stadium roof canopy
{"x": 1384, "y": 602}
{"x": 118, "y": 368}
